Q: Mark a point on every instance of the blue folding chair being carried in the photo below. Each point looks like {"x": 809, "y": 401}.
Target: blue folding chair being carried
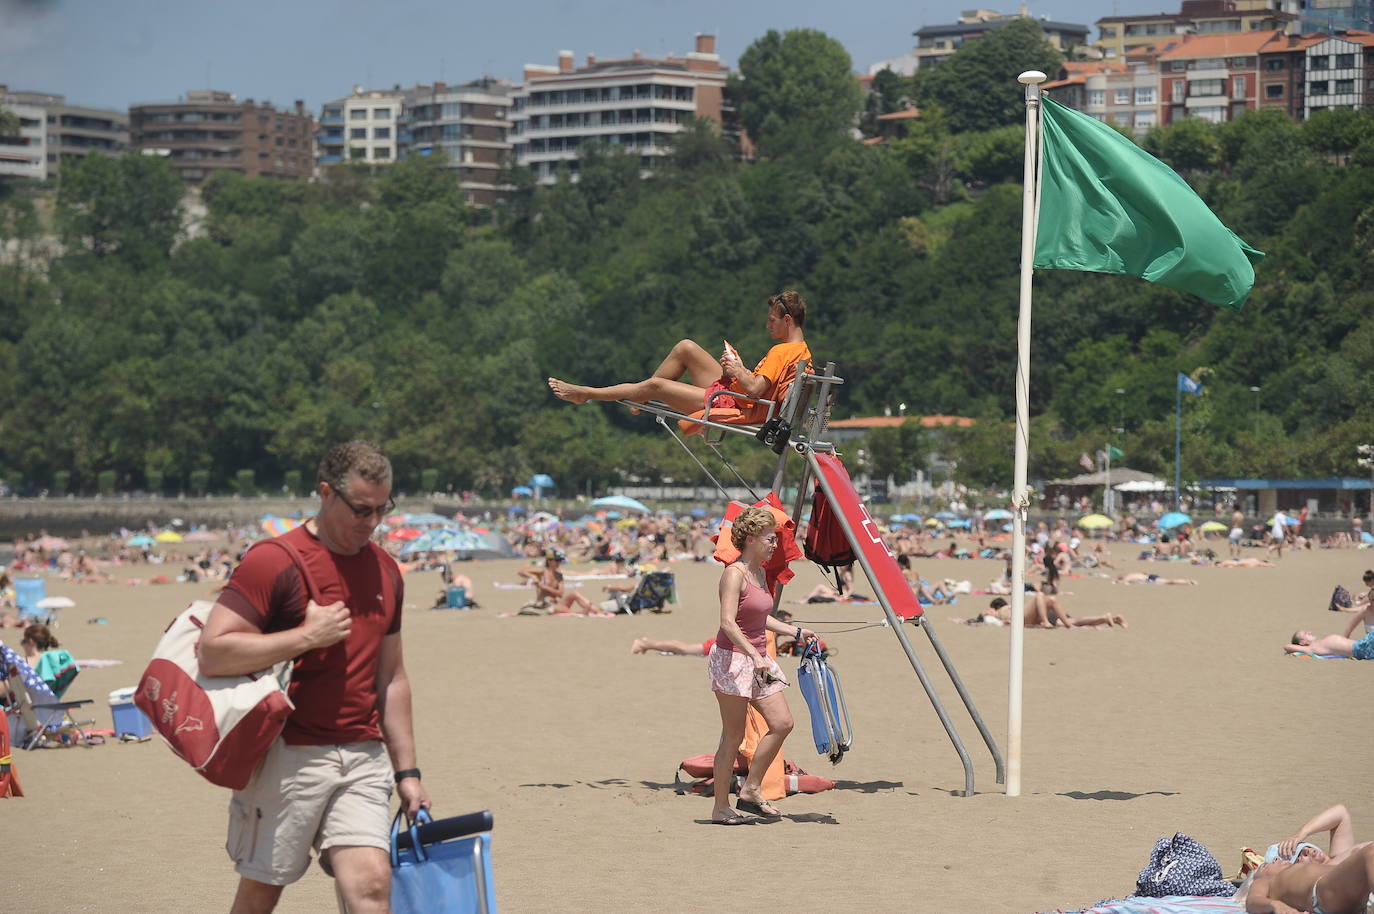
{"x": 820, "y": 687}
{"x": 442, "y": 867}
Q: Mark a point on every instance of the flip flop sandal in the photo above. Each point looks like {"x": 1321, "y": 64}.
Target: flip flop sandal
{"x": 758, "y": 809}
{"x": 731, "y": 818}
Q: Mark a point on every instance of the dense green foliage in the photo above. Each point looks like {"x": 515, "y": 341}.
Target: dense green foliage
{"x": 379, "y": 305}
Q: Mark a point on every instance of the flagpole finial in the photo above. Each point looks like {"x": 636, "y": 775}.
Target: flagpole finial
{"x": 1031, "y": 78}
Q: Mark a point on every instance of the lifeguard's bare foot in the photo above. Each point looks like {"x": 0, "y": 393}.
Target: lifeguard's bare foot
{"x": 570, "y": 392}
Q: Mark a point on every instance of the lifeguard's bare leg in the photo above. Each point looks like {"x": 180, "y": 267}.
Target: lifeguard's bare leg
{"x": 690, "y": 359}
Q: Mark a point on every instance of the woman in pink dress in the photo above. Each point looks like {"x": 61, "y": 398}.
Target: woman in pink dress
{"x": 741, "y": 671}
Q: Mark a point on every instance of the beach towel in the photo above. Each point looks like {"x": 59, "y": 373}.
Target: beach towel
{"x": 57, "y": 668}
{"x": 1173, "y": 904}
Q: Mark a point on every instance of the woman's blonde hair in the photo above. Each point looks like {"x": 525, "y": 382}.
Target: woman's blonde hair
{"x": 749, "y": 522}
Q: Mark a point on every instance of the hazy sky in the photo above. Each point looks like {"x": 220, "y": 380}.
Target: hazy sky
{"x": 111, "y": 53}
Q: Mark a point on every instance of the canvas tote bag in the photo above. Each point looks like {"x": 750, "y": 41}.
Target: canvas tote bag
{"x": 222, "y": 726}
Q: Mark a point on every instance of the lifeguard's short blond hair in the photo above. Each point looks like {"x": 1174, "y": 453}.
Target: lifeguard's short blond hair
{"x": 751, "y": 521}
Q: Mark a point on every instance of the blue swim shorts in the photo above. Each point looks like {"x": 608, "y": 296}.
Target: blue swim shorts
{"x": 1364, "y": 648}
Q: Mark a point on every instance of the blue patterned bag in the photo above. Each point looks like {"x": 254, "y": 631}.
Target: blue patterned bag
{"x": 1181, "y": 866}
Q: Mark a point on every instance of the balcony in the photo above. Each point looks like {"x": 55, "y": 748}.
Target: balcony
{"x": 329, "y": 160}
{"x": 337, "y": 119}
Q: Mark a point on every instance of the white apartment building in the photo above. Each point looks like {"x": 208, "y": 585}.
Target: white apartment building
{"x": 635, "y": 104}
{"x": 1334, "y": 75}
{"x": 25, "y": 155}
{"x": 367, "y": 126}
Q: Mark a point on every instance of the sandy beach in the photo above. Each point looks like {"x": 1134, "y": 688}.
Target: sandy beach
{"x": 1191, "y": 720}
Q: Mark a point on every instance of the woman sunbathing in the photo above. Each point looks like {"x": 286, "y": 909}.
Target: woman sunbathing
{"x": 1137, "y": 577}
{"x": 1322, "y": 888}
{"x": 786, "y": 317}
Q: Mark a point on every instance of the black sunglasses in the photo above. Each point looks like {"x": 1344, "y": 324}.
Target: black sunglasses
{"x": 782, "y": 306}
{"x": 379, "y": 511}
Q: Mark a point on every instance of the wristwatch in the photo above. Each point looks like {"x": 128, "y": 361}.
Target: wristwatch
{"x": 407, "y": 773}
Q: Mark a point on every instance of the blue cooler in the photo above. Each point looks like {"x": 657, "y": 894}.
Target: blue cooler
{"x": 127, "y": 717}
{"x": 456, "y": 598}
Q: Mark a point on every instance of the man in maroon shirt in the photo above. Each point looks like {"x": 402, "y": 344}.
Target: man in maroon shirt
{"x": 327, "y": 781}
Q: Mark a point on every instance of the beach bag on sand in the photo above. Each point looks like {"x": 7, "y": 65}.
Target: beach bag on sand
{"x": 1340, "y": 599}
{"x": 1181, "y": 866}
{"x": 222, "y": 726}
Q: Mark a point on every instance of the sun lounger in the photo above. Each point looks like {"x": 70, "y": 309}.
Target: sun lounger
{"x": 655, "y": 589}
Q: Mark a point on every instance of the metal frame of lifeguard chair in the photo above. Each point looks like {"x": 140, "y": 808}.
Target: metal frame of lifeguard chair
{"x": 807, "y": 410}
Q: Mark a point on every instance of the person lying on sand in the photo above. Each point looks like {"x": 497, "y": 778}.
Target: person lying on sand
{"x": 1044, "y": 612}
{"x": 1138, "y": 577}
{"x": 1244, "y": 563}
{"x": 1304, "y": 642}
{"x": 1297, "y": 849}
{"x": 786, "y": 317}
{"x": 666, "y": 646}
{"x": 1321, "y": 888}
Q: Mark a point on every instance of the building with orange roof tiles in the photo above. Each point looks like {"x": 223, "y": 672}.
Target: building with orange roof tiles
{"x": 1212, "y": 77}
{"x": 1123, "y": 93}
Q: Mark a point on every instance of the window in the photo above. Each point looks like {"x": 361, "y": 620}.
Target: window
{"x": 1345, "y": 86}
{"x": 1345, "y": 61}
{"x": 357, "y": 114}
{"x": 381, "y": 152}
{"x": 1097, "y": 97}
{"x": 1145, "y": 95}
{"x": 1144, "y": 118}
{"x": 381, "y": 133}
{"x": 1206, "y": 87}
{"x": 357, "y": 152}
{"x": 1108, "y": 31}
{"x": 1215, "y": 115}
{"x": 1238, "y": 87}
{"x": 1121, "y": 97}
{"x": 1274, "y": 91}
{"x": 1180, "y": 89}
{"x": 1319, "y": 62}
{"x": 452, "y": 109}
{"x": 1122, "y": 118}
{"x": 450, "y": 132}
{"x": 357, "y": 133}
{"x": 1317, "y": 88}
{"x": 1178, "y": 66}
{"x": 1274, "y": 65}
{"x": 381, "y": 114}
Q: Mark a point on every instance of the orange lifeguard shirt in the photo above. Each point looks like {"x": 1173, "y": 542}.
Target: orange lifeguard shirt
{"x": 779, "y": 366}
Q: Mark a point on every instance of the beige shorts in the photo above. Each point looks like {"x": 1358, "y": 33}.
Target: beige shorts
{"x": 309, "y": 796}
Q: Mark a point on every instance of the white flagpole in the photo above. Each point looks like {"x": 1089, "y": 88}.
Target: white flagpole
{"x": 1020, "y": 497}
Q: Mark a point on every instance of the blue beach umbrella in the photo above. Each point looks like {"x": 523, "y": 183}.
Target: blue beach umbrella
{"x": 998, "y": 514}
{"x": 542, "y": 481}
{"x": 1173, "y": 519}
{"x": 623, "y": 502}
{"x": 522, "y": 490}
{"x": 141, "y": 540}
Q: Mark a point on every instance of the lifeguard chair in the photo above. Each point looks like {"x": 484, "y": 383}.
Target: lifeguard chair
{"x": 796, "y": 424}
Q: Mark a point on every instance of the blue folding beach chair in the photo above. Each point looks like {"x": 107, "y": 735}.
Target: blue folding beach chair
{"x": 28, "y": 593}
{"x": 444, "y": 866}
{"x": 654, "y": 591}
{"x": 820, "y": 687}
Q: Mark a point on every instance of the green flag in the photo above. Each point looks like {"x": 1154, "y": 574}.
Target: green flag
{"x": 1107, "y": 206}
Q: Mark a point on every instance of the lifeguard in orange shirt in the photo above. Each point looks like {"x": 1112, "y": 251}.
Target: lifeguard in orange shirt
{"x": 786, "y": 318}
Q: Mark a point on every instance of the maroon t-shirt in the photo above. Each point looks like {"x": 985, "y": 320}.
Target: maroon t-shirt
{"x": 334, "y": 689}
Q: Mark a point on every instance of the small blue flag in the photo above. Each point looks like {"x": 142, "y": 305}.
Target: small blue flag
{"x": 1188, "y": 385}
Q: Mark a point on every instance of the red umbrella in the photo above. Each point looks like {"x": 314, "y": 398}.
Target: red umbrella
{"x": 403, "y": 533}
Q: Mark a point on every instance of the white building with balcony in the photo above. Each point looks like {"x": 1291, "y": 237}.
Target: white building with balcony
{"x": 25, "y": 154}
{"x": 368, "y": 126}
{"x": 1335, "y": 74}
{"x": 635, "y": 105}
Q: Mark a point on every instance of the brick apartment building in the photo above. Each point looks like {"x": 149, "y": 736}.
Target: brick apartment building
{"x": 635, "y": 104}
{"x": 209, "y": 131}
{"x": 469, "y": 125}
